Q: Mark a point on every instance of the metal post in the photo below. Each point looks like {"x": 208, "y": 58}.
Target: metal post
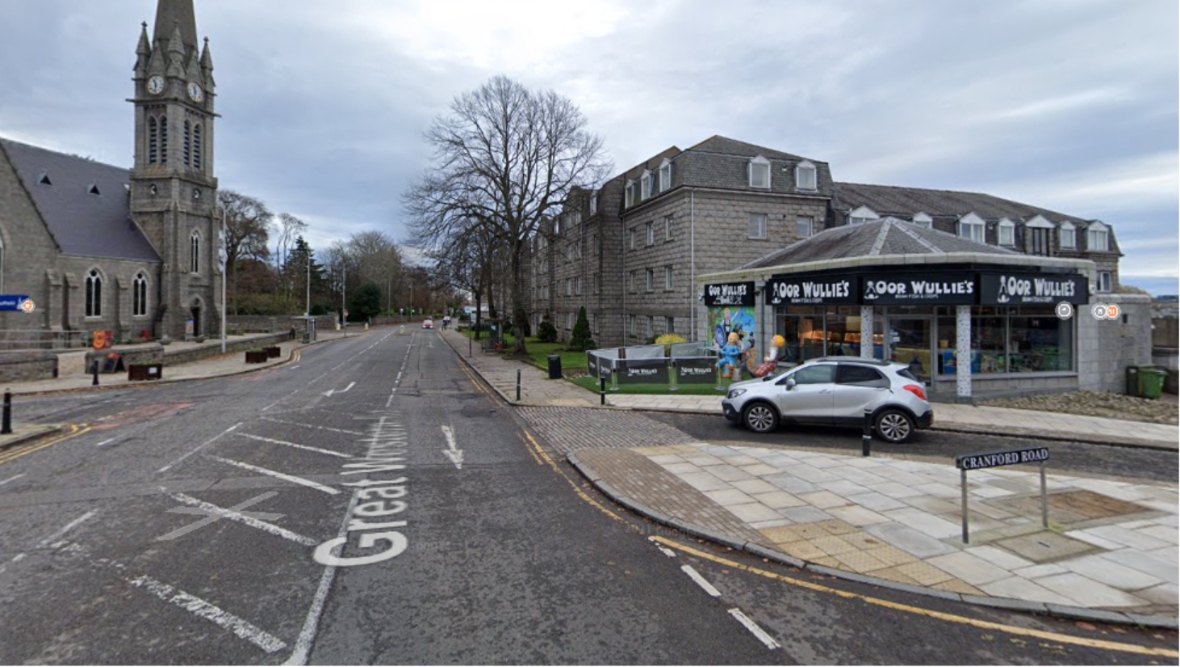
{"x": 1044, "y": 497}
{"x": 963, "y": 485}
{"x": 94, "y": 383}
{"x": 866, "y": 438}
{"x": 602, "y": 389}
{"x": 518, "y": 385}
{"x": 469, "y": 347}
{"x": 6, "y": 427}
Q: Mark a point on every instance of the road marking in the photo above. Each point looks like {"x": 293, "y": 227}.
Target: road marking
{"x": 321, "y": 428}
{"x": 700, "y": 581}
{"x": 199, "y": 447}
{"x": 12, "y": 479}
{"x": 290, "y": 478}
{"x": 455, "y": 455}
{"x": 211, "y": 612}
{"x": 753, "y": 627}
{"x": 295, "y": 445}
{"x": 942, "y": 616}
{"x": 45, "y": 542}
{"x": 105, "y": 442}
{"x": 340, "y": 391}
{"x": 216, "y": 513}
{"x": 19, "y": 452}
{"x": 311, "y": 624}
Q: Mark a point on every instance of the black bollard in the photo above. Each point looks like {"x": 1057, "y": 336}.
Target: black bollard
{"x": 602, "y": 389}
{"x": 518, "y": 385}
{"x": 867, "y": 438}
{"x": 94, "y": 383}
{"x": 6, "y": 425}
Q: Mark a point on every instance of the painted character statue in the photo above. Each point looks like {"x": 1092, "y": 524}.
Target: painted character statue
{"x": 729, "y": 352}
{"x": 776, "y": 344}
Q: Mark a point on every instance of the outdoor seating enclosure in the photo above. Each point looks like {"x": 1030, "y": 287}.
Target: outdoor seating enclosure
{"x": 672, "y": 365}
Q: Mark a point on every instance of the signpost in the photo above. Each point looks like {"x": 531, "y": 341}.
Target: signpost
{"x": 1005, "y": 458}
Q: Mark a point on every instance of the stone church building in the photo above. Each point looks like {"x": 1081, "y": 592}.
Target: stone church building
{"x": 99, "y": 247}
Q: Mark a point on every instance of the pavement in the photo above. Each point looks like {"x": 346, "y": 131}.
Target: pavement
{"x": 1109, "y": 553}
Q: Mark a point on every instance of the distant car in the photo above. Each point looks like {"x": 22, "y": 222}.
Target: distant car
{"x": 834, "y": 391}
{"x": 428, "y": 323}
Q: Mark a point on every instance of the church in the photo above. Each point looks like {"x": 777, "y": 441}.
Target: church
{"x": 98, "y": 247}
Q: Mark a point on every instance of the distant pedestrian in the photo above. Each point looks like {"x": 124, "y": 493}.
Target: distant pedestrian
{"x": 446, "y": 321}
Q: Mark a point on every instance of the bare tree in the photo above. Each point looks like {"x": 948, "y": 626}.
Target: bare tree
{"x": 247, "y": 223}
{"x": 290, "y": 227}
{"x": 505, "y": 157}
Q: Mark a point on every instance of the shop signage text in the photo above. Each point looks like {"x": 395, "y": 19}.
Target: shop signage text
{"x": 796, "y": 291}
{"x": 1018, "y": 289}
{"x": 919, "y": 289}
{"x": 729, "y": 294}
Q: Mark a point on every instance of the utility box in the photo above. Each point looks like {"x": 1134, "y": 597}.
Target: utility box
{"x": 140, "y": 372}
{"x": 1133, "y": 387}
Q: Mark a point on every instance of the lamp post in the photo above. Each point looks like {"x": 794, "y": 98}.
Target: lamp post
{"x": 222, "y": 258}
{"x": 307, "y": 310}
{"x": 343, "y": 287}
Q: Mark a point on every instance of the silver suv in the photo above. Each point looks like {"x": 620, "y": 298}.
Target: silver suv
{"x": 834, "y": 391}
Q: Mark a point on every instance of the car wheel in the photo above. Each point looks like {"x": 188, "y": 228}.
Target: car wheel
{"x": 894, "y": 426}
{"x": 760, "y": 418}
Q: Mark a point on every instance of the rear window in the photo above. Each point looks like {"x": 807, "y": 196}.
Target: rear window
{"x": 905, "y": 373}
{"x": 854, "y": 374}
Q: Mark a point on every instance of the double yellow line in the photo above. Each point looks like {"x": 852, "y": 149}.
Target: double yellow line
{"x": 23, "y": 450}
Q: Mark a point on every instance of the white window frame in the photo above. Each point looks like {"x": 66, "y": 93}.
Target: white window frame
{"x": 668, "y": 273}
{"x": 923, "y": 220}
{"x": 668, "y": 227}
{"x": 1098, "y": 238}
{"x": 650, "y": 231}
{"x": 645, "y": 186}
{"x": 761, "y": 220}
{"x": 634, "y": 325}
{"x": 970, "y": 226}
{"x": 665, "y": 174}
{"x": 651, "y": 279}
{"x": 758, "y": 166}
{"x": 1105, "y": 282}
{"x": 1006, "y": 233}
{"x": 862, "y": 215}
{"x": 806, "y": 176}
{"x": 1068, "y": 236}
{"x": 628, "y": 195}
{"x": 801, "y": 220}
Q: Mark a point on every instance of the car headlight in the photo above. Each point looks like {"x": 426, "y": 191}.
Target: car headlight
{"x": 734, "y": 393}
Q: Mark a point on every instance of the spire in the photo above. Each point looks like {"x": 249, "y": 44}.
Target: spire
{"x": 176, "y": 53}
{"x": 142, "y": 52}
{"x": 179, "y": 15}
{"x": 207, "y": 64}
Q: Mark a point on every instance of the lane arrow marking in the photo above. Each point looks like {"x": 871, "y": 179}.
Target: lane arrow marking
{"x": 452, "y": 453}
{"x": 333, "y": 391}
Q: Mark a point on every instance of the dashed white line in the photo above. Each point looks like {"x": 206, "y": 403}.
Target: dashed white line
{"x": 754, "y": 629}
{"x": 12, "y": 479}
{"x": 214, "y": 510}
{"x": 208, "y": 611}
{"x": 105, "y": 442}
{"x": 290, "y": 478}
{"x": 295, "y": 445}
{"x": 45, "y": 542}
{"x": 199, "y": 447}
{"x": 700, "y": 581}
{"x": 664, "y": 550}
{"x": 320, "y": 428}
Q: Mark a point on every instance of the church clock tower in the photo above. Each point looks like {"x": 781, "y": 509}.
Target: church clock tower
{"x": 173, "y": 190}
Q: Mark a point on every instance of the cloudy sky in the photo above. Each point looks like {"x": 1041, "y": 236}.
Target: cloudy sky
{"x": 1071, "y": 105}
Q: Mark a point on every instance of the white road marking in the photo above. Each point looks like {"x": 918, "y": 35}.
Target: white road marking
{"x": 208, "y": 611}
{"x": 455, "y": 455}
{"x": 199, "y": 447}
{"x": 272, "y": 473}
{"x": 667, "y": 552}
{"x": 754, "y": 629}
{"x": 220, "y": 512}
{"x": 341, "y": 391}
{"x": 12, "y": 479}
{"x": 321, "y": 428}
{"x": 45, "y": 542}
{"x": 105, "y": 442}
{"x": 700, "y": 581}
{"x": 327, "y": 372}
{"x": 295, "y": 445}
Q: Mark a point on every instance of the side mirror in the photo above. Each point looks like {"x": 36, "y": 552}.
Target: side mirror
{"x": 790, "y": 384}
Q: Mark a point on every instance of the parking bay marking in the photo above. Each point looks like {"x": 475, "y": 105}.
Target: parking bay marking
{"x": 290, "y": 478}
{"x": 295, "y": 445}
{"x": 321, "y": 428}
{"x": 213, "y": 513}
{"x": 753, "y": 628}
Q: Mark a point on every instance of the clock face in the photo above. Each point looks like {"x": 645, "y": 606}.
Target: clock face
{"x": 155, "y": 85}
{"x": 195, "y": 93}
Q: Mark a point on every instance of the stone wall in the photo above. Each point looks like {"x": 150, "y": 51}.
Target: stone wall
{"x": 29, "y": 365}
{"x": 1107, "y": 347}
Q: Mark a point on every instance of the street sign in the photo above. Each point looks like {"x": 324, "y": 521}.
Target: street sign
{"x": 15, "y": 303}
{"x": 996, "y": 459}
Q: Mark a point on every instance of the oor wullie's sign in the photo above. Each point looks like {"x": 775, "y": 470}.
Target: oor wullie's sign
{"x": 996, "y": 459}
{"x": 729, "y": 294}
{"x": 931, "y": 289}
{"x": 1017, "y": 289}
{"x": 835, "y": 290}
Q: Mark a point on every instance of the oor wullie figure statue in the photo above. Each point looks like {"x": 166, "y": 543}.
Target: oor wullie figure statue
{"x": 728, "y": 363}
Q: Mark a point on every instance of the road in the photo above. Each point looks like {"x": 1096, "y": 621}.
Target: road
{"x": 372, "y": 503}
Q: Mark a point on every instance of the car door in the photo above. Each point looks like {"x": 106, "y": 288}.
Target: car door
{"x": 810, "y": 399}
{"x": 857, "y": 386}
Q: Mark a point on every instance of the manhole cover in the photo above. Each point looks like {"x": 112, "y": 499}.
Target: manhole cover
{"x": 1045, "y": 546}
{"x": 1071, "y": 506}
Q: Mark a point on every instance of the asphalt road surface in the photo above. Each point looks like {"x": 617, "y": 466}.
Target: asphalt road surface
{"x": 372, "y": 503}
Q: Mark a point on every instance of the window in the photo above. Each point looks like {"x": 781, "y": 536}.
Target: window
{"x": 153, "y": 141}
{"x": 569, "y": 286}
{"x": 595, "y": 322}
{"x": 668, "y": 278}
{"x": 669, "y": 324}
{"x": 856, "y": 374}
{"x": 1038, "y": 240}
{"x": 633, "y": 233}
{"x": 1006, "y": 232}
{"x": 803, "y": 226}
{"x": 139, "y": 295}
{"x": 631, "y": 281}
{"x": 667, "y": 227}
{"x": 1069, "y": 237}
{"x": 923, "y": 220}
{"x": 818, "y": 374}
{"x": 597, "y": 282}
{"x": 594, "y": 243}
{"x": 578, "y": 285}
{"x": 632, "y": 324}
{"x": 557, "y": 226}
{"x": 757, "y": 225}
{"x": 188, "y": 144}
{"x": 972, "y": 227}
{"x": 94, "y": 294}
{"x": 651, "y": 326}
{"x": 1105, "y": 281}
{"x": 197, "y": 146}
{"x": 627, "y": 194}
{"x": 759, "y": 169}
{"x": 194, "y": 263}
{"x": 665, "y": 175}
{"x": 651, "y": 279}
{"x": 651, "y": 233}
{"x": 805, "y": 176}
{"x": 1098, "y": 238}
{"x": 593, "y": 203}
{"x": 645, "y": 186}
{"x": 569, "y": 320}
{"x": 163, "y": 140}
{"x": 862, "y": 215}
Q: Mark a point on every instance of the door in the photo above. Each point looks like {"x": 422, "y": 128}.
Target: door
{"x": 857, "y": 387}
{"x": 810, "y": 400}
{"x": 912, "y": 343}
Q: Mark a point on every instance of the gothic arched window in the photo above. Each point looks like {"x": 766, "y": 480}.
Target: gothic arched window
{"x": 195, "y": 253}
{"x": 188, "y": 144}
{"x": 94, "y": 294}
{"x": 197, "y": 146}
{"x": 139, "y": 295}
{"x": 153, "y": 141}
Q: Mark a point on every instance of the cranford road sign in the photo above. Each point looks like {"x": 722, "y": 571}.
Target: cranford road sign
{"x": 1007, "y": 458}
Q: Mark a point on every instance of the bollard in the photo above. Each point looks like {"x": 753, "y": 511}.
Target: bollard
{"x": 867, "y": 438}
{"x": 518, "y": 385}
{"x": 94, "y": 383}
{"x": 6, "y": 426}
{"x": 602, "y": 389}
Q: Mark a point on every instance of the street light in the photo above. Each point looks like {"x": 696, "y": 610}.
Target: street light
{"x": 307, "y": 311}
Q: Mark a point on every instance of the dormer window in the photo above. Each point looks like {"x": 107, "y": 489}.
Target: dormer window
{"x": 593, "y": 203}
{"x": 1006, "y": 232}
{"x": 44, "y": 179}
{"x": 93, "y": 189}
{"x": 921, "y": 219}
{"x": 862, "y": 215}
{"x": 665, "y": 174}
{"x": 645, "y": 186}
{"x": 971, "y": 227}
{"x": 628, "y": 194}
{"x": 1098, "y": 237}
{"x": 1069, "y": 236}
{"x": 759, "y": 172}
{"x": 805, "y": 176}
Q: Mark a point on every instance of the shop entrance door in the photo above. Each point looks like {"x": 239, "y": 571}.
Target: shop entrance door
{"x": 911, "y": 342}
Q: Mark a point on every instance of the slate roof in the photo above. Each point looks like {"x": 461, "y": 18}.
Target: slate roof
{"x": 902, "y": 202}
{"x": 888, "y": 236}
{"x": 82, "y": 223}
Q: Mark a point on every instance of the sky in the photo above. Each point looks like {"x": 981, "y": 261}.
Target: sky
{"x": 1069, "y": 105}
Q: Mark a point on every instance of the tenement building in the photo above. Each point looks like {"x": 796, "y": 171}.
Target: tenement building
{"x": 98, "y": 247}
